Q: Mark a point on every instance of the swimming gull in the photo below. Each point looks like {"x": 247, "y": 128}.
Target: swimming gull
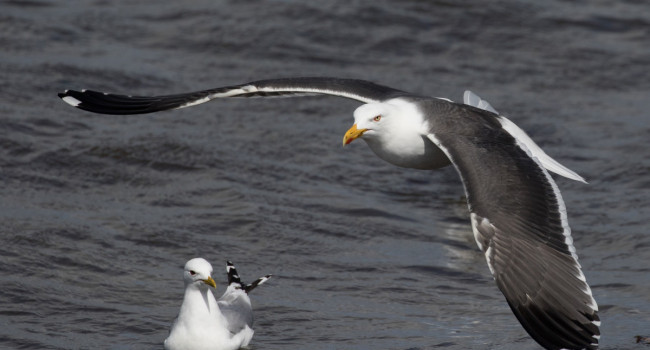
{"x": 517, "y": 214}
{"x": 206, "y": 323}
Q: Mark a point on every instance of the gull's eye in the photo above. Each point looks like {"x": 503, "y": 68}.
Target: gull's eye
{"x": 377, "y": 118}
{"x": 192, "y": 272}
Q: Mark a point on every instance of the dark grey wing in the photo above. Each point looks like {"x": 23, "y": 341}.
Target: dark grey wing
{"x": 100, "y": 102}
{"x": 235, "y": 305}
{"x": 519, "y": 222}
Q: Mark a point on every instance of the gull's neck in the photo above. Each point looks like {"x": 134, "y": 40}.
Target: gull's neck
{"x": 200, "y": 324}
{"x": 199, "y": 303}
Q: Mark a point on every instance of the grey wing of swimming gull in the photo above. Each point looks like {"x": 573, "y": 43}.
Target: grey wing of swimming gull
{"x": 519, "y": 222}
{"x": 235, "y": 304}
{"x": 105, "y": 103}
{"x": 237, "y": 310}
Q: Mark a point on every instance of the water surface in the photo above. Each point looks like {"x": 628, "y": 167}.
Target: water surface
{"x": 99, "y": 213}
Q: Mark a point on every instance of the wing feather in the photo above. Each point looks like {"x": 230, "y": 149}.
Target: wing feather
{"x": 519, "y": 221}
{"x": 104, "y": 103}
{"x": 236, "y": 308}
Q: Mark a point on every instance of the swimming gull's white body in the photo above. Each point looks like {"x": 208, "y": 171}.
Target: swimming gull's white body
{"x": 206, "y": 323}
{"x": 517, "y": 213}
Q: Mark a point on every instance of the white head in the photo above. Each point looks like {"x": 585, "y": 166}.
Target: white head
{"x": 198, "y": 271}
{"x": 370, "y": 121}
{"x": 395, "y": 130}
{"x": 397, "y": 118}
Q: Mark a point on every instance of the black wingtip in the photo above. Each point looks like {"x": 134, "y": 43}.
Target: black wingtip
{"x": 553, "y": 330}
{"x": 116, "y": 104}
{"x": 259, "y": 281}
{"x": 233, "y": 277}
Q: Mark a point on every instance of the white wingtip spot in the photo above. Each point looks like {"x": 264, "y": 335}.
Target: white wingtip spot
{"x": 264, "y": 279}
{"x": 597, "y": 324}
{"x": 71, "y": 101}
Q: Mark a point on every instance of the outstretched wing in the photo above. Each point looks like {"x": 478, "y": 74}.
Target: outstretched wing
{"x": 105, "y": 103}
{"x": 520, "y": 223}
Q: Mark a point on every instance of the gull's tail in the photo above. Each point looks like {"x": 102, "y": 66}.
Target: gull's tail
{"x": 233, "y": 277}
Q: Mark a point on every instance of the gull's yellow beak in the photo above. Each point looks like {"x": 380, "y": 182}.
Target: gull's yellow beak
{"x": 352, "y": 134}
{"x": 210, "y": 282}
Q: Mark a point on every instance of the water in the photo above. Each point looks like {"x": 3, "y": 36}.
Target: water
{"x": 100, "y": 213}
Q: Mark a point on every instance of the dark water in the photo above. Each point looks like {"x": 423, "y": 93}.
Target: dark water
{"x": 99, "y": 213}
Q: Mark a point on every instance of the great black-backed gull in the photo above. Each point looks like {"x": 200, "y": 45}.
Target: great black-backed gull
{"x": 517, "y": 213}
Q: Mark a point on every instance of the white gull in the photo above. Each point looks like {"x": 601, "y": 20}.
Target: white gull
{"x": 206, "y": 323}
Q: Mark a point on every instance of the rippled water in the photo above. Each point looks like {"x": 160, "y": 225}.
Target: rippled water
{"x": 100, "y": 213}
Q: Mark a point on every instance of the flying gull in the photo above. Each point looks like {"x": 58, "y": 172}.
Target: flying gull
{"x": 206, "y": 323}
{"x": 517, "y": 214}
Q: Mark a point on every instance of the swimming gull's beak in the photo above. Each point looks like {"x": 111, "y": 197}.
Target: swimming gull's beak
{"x": 210, "y": 282}
{"x": 352, "y": 134}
